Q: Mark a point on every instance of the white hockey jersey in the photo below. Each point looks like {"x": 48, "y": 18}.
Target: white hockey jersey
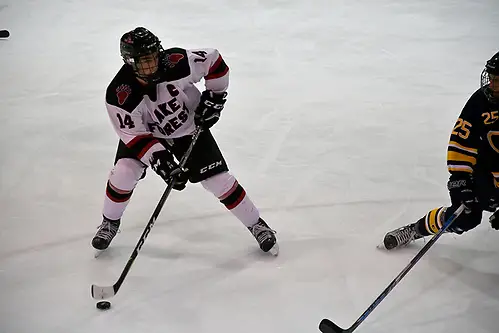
{"x": 141, "y": 114}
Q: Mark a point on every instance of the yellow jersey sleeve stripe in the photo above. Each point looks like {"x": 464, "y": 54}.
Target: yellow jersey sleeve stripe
{"x": 459, "y": 168}
{"x": 458, "y": 157}
{"x": 461, "y": 147}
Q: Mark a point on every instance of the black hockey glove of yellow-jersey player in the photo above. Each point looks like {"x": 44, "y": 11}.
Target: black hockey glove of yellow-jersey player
{"x": 164, "y": 165}
{"x": 208, "y": 111}
{"x": 461, "y": 190}
{"x": 494, "y": 218}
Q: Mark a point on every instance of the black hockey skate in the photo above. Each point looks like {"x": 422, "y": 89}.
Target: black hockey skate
{"x": 401, "y": 236}
{"x": 107, "y": 230}
{"x": 265, "y": 237}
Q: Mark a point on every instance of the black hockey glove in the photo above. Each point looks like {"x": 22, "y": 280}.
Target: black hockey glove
{"x": 493, "y": 204}
{"x": 208, "y": 111}
{"x": 461, "y": 190}
{"x": 164, "y": 165}
{"x": 494, "y": 220}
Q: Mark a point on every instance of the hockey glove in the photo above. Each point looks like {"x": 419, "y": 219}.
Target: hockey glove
{"x": 494, "y": 220}
{"x": 461, "y": 190}
{"x": 208, "y": 111}
{"x": 164, "y": 165}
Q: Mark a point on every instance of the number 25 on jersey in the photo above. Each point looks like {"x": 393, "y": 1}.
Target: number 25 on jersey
{"x": 462, "y": 129}
{"x": 490, "y": 117}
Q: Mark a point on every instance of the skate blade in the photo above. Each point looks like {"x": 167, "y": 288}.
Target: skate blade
{"x": 97, "y": 253}
{"x": 381, "y": 246}
{"x": 274, "y": 250}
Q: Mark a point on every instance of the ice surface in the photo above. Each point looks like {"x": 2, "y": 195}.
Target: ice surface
{"x": 337, "y": 124}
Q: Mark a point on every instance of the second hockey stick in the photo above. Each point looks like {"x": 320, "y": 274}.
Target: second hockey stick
{"x": 327, "y": 326}
{"x": 109, "y": 291}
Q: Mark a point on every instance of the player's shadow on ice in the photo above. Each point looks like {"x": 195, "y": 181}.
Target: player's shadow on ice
{"x": 227, "y": 254}
{"x": 460, "y": 264}
{"x": 457, "y": 262}
{"x": 227, "y": 258}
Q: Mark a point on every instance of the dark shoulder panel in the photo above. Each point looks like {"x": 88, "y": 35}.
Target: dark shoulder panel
{"x": 174, "y": 64}
{"x": 124, "y": 91}
{"x": 478, "y": 101}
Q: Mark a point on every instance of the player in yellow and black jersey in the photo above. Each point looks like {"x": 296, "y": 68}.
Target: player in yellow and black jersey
{"x": 473, "y": 163}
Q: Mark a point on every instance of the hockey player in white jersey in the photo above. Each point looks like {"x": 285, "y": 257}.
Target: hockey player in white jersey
{"x": 154, "y": 108}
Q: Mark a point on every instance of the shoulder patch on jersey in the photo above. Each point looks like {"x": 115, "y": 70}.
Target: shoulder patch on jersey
{"x": 476, "y": 104}
{"x": 173, "y": 59}
{"x": 124, "y": 91}
{"x": 175, "y": 64}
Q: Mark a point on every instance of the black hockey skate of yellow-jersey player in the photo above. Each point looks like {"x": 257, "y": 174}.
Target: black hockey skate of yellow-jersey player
{"x": 473, "y": 164}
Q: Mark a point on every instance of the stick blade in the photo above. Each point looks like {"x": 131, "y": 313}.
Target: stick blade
{"x": 102, "y": 292}
{"x": 327, "y": 326}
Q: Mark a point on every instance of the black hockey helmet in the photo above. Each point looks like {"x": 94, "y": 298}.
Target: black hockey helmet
{"x": 491, "y": 71}
{"x": 137, "y": 44}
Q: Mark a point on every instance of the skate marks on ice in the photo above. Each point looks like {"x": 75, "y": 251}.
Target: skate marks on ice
{"x": 165, "y": 222}
{"x": 201, "y": 266}
{"x": 63, "y": 243}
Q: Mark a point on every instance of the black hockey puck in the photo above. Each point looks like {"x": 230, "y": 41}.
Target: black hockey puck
{"x": 4, "y": 33}
{"x": 103, "y": 305}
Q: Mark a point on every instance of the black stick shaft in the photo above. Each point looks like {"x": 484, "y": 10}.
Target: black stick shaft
{"x": 154, "y": 216}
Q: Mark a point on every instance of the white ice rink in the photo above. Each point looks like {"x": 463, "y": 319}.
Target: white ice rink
{"x": 336, "y": 124}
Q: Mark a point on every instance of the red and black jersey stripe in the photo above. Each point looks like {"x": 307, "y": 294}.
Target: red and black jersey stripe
{"x": 217, "y": 70}
{"x": 141, "y": 144}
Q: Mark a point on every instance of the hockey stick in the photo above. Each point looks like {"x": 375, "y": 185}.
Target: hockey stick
{"x": 109, "y": 291}
{"x": 327, "y": 326}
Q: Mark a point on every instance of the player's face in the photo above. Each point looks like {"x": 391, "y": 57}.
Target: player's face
{"x": 147, "y": 65}
{"x": 494, "y": 84}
